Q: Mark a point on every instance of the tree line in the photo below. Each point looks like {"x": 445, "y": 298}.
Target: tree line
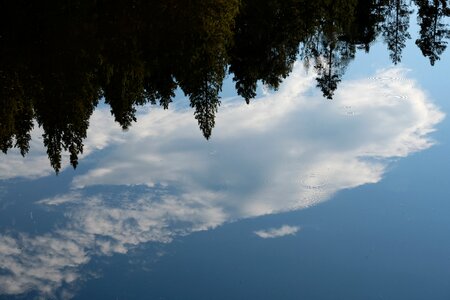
{"x": 59, "y": 58}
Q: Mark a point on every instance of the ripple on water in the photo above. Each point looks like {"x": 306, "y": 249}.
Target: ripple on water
{"x": 389, "y": 78}
{"x": 349, "y": 111}
{"x": 313, "y": 182}
{"x": 396, "y": 97}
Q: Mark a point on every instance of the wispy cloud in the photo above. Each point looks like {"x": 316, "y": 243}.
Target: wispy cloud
{"x": 71, "y": 197}
{"x": 42, "y": 263}
{"x": 277, "y": 232}
{"x": 291, "y": 145}
{"x": 287, "y": 150}
{"x": 36, "y": 163}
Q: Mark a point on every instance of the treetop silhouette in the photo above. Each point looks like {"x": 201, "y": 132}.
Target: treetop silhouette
{"x": 58, "y": 59}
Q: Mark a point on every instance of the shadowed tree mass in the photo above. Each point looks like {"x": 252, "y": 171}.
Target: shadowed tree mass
{"x": 58, "y": 58}
{"x": 434, "y": 32}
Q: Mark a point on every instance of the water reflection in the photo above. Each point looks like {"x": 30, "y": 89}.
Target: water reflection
{"x": 57, "y": 60}
{"x": 287, "y": 151}
{"x": 277, "y": 232}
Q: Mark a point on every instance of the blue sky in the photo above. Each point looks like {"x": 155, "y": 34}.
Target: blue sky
{"x": 288, "y": 150}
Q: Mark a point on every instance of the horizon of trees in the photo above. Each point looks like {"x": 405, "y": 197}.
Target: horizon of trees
{"x": 58, "y": 58}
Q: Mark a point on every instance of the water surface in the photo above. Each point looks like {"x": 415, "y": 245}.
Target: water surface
{"x": 293, "y": 196}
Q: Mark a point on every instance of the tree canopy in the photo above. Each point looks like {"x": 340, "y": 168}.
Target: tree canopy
{"x": 59, "y": 58}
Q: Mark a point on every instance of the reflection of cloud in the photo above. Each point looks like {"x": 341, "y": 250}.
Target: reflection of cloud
{"x": 32, "y": 166}
{"x": 98, "y": 225}
{"x": 285, "y": 151}
{"x": 42, "y": 263}
{"x": 62, "y": 199}
{"x": 36, "y": 163}
{"x": 277, "y": 232}
{"x": 274, "y": 147}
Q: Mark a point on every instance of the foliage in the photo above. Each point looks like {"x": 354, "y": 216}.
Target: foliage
{"x": 433, "y": 29}
{"x": 59, "y": 58}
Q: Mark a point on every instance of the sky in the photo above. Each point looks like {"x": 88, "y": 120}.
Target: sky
{"x": 288, "y": 150}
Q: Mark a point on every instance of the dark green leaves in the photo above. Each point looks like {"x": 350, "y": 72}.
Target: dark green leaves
{"x": 59, "y": 58}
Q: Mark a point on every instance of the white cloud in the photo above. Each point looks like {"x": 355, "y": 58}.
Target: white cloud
{"x": 42, "y": 263}
{"x": 97, "y": 225}
{"x": 62, "y": 199}
{"x": 271, "y": 148}
{"x": 288, "y": 150}
{"x": 36, "y": 163}
{"x": 277, "y": 232}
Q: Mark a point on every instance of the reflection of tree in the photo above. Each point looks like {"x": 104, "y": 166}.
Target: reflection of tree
{"x": 57, "y": 59}
{"x": 266, "y": 42}
{"x": 433, "y": 29}
{"x": 395, "y": 27}
{"x": 330, "y": 65}
{"x": 52, "y": 79}
{"x": 16, "y": 114}
{"x": 328, "y": 46}
{"x": 365, "y": 26}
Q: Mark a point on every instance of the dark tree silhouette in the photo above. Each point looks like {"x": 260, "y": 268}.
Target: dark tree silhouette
{"x": 433, "y": 29}
{"x": 16, "y": 114}
{"x": 59, "y": 58}
{"x": 266, "y": 42}
{"x": 395, "y": 27}
{"x": 331, "y": 64}
{"x": 328, "y": 46}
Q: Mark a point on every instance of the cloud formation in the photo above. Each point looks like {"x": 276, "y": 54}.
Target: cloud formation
{"x": 287, "y": 150}
{"x": 290, "y": 145}
{"x": 277, "y": 232}
{"x": 43, "y": 263}
{"x": 36, "y": 163}
{"x": 99, "y": 225}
